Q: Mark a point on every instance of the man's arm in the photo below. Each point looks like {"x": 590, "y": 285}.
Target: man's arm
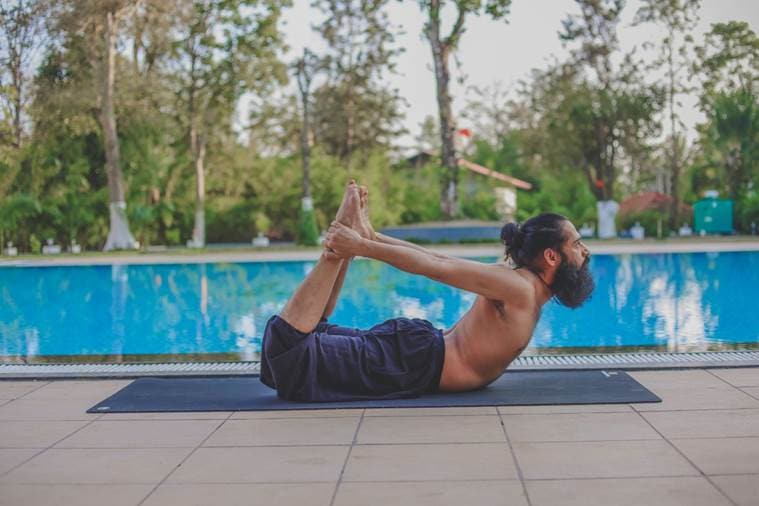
{"x": 399, "y": 242}
{"x": 489, "y": 280}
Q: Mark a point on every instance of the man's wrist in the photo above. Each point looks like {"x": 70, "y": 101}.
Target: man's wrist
{"x": 364, "y": 248}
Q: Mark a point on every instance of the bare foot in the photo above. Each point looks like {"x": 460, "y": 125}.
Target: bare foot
{"x": 350, "y": 208}
{"x": 365, "y": 229}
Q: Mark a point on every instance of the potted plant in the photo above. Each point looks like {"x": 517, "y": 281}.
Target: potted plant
{"x": 262, "y": 224}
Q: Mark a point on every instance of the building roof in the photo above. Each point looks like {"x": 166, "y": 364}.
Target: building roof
{"x": 424, "y": 155}
{"x": 647, "y": 201}
{"x": 479, "y": 169}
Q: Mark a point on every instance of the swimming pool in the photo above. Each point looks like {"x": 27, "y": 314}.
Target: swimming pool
{"x": 177, "y": 312}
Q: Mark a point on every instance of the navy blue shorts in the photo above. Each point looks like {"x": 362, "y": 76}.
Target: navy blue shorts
{"x": 401, "y": 357}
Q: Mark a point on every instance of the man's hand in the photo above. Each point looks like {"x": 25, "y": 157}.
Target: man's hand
{"x": 343, "y": 241}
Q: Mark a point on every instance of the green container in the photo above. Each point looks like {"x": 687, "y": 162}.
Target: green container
{"x": 713, "y": 216}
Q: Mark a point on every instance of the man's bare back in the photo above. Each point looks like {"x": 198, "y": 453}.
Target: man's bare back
{"x": 486, "y": 340}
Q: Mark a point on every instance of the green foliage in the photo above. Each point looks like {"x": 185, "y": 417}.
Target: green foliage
{"x": 421, "y": 195}
{"x": 584, "y": 119}
{"x": 308, "y": 231}
{"x": 17, "y": 214}
{"x": 648, "y": 220}
{"x": 746, "y": 212}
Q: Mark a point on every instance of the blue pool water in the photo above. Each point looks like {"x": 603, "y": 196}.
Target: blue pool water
{"x": 662, "y": 302}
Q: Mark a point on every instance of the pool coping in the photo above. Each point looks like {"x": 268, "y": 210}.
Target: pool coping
{"x": 491, "y": 250}
{"x": 617, "y": 361}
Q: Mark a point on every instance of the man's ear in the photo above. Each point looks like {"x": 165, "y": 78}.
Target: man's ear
{"x": 551, "y": 257}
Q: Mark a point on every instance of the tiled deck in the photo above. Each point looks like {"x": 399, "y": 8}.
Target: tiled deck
{"x": 700, "y": 446}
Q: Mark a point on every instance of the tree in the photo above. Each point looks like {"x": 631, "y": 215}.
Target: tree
{"x": 305, "y": 68}
{"x": 98, "y": 25}
{"x": 489, "y": 112}
{"x": 727, "y": 61}
{"x": 442, "y": 47}
{"x": 679, "y": 18}
{"x": 22, "y": 26}
{"x": 728, "y": 68}
{"x": 610, "y": 111}
{"x": 354, "y": 112}
{"x": 225, "y": 48}
{"x": 731, "y": 141}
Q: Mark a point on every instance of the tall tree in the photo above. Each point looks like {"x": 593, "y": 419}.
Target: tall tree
{"x": 23, "y": 34}
{"x": 305, "y": 69}
{"x": 728, "y": 68}
{"x": 611, "y": 110}
{"x": 679, "y": 18}
{"x": 354, "y": 111}
{"x": 728, "y": 61}
{"x": 224, "y": 49}
{"x": 443, "y": 46}
{"x": 99, "y": 24}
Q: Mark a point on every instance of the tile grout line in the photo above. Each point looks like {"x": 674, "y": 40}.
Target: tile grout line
{"x": 184, "y": 459}
{"x": 434, "y": 443}
{"x": 728, "y": 383}
{"x": 520, "y": 474}
{"x": 682, "y": 454}
{"x": 45, "y": 383}
{"x": 8, "y": 401}
{"x": 347, "y": 457}
{"x": 50, "y": 447}
{"x": 445, "y": 480}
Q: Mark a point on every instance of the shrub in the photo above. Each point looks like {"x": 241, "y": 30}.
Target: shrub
{"x": 648, "y": 220}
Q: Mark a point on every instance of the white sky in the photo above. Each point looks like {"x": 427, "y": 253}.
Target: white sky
{"x": 493, "y": 51}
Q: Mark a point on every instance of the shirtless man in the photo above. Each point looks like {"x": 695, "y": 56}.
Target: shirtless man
{"x": 306, "y": 358}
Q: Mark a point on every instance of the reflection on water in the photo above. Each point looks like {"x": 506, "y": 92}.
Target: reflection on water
{"x": 675, "y": 302}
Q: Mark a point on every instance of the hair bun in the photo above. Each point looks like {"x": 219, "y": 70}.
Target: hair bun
{"x": 511, "y": 236}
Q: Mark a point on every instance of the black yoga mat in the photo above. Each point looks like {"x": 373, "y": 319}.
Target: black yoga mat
{"x": 247, "y": 393}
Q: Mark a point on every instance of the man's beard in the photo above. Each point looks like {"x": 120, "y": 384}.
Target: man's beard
{"x": 572, "y": 285}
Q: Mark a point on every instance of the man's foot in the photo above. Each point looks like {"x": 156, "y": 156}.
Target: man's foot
{"x": 350, "y": 208}
{"x": 366, "y": 230}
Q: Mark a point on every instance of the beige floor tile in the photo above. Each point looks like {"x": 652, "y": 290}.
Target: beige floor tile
{"x": 297, "y": 413}
{"x": 91, "y": 390}
{"x": 141, "y": 434}
{"x": 10, "y": 458}
{"x": 626, "y": 492}
{"x": 193, "y": 415}
{"x": 702, "y": 423}
{"x": 743, "y": 489}
{"x": 98, "y": 466}
{"x": 608, "y": 459}
{"x": 39, "y": 434}
{"x": 752, "y": 391}
{"x": 722, "y": 455}
{"x": 47, "y": 409}
{"x": 682, "y": 378}
{"x": 242, "y": 494}
{"x": 578, "y": 427}
{"x": 431, "y": 429}
{"x": 432, "y": 493}
{"x": 565, "y": 408}
{"x": 690, "y": 390}
{"x": 471, "y": 410}
{"x": 301, "y": 431}
{"x": 486, "y": 461}
{"x": 15, "y": 389}
{"x": 262, "y": 464}
{"x": 741, "y": 377}
{"x": 73, "y": 495}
